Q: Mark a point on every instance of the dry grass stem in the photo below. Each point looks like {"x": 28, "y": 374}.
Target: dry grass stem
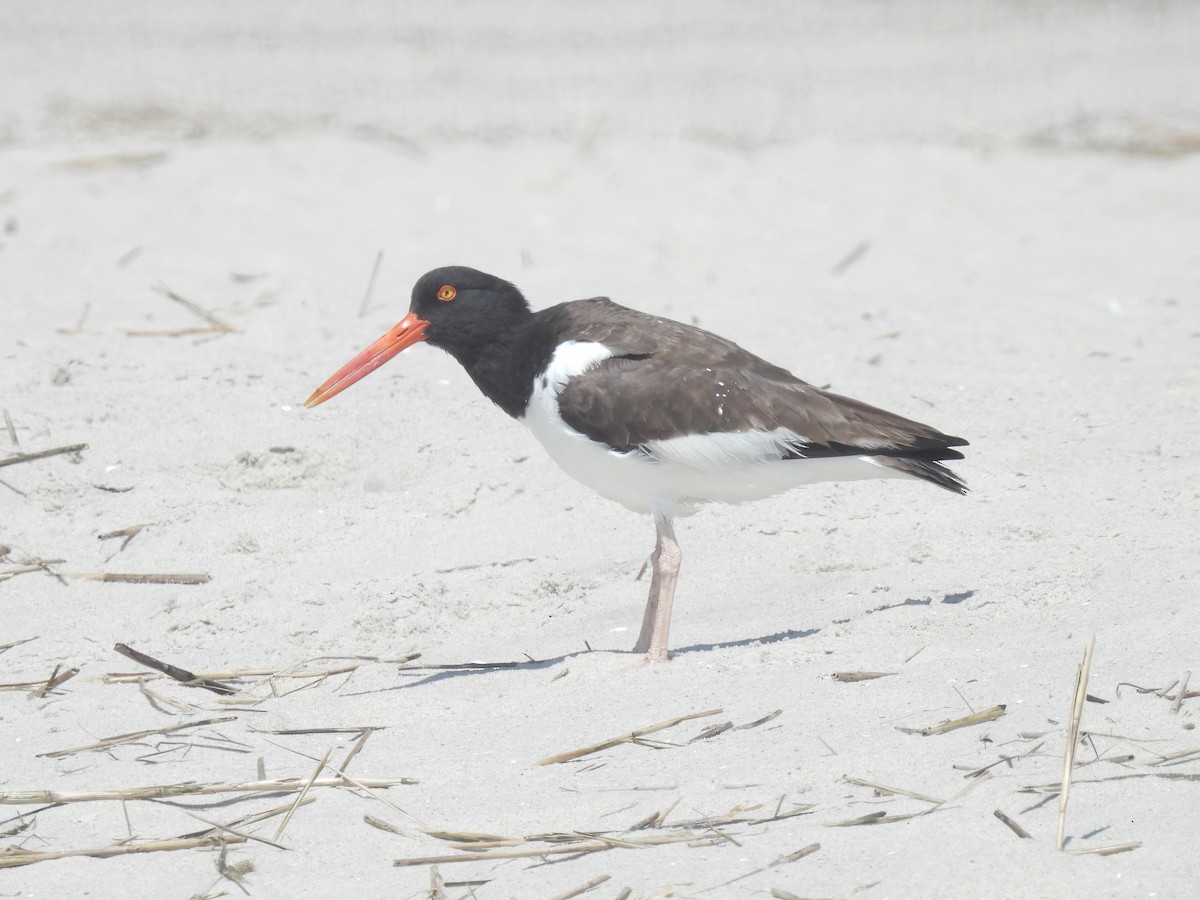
{"x": 712, "y": 731}
{"x": 116, "y": 740}
{"x": 358, "y": 745}
{"x": 584, "y": 888}
{"x": 1107, "y": 851}
{"x": 41, "y": 454}
{"x": 1016, "y": 829}
{"x": 57, "y": 677}
{"x": 215, "y": 324}
{"x": 1182, "y": 692}
{"x": 437, "y": 884}
{"x": 229, "y": 829}
{"x": 16, "y": 643}
{"x": 978, "y": 718}
{"x": 167, "y": 791}
{"x": 1175, "y": 757}
{"x": 143, "y": 577}
{"x": 12, "y": 857}
{"x": 23, "y": 824}
{"x": 769, "y": 717}
{"x": 736, "y": 816}
{"x": 1072, "y": 739}
{"x": 161, "y": 700}
{"x": 625, "y": 738}
{"x": 241, "y": 674}
{"x": 856, "y": 253}
{"x": 250, "y": 820}
{"x": 869, "y": 819}
{"x": 983, "y": 770}
{"x": 449, "y": 667}
{"x": 303, "y": 791}
{"x": 12, "y": 429}
{"x": 797, "y": 855}
{"x": 884, "y": 789}
{"x": 381, "y": 824}
{"x": 791, "y": 857}
{"x": 40, "y": 565}
{"x": 183, "y": 676}
{"x": 519, "y": 853}
{"x": 128, "y": 534}
{"x": 365, "y": 784}
{"x": 23, "y": 685}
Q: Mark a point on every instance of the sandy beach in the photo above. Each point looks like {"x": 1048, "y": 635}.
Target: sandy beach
{"x": 389, "y": 616}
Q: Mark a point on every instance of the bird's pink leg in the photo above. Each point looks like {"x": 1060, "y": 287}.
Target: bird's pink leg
{"x": 656, "y": 622}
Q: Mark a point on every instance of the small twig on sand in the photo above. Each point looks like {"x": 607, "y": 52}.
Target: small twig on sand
{"x": 358, "y": 745}
{"x": 850, "y": 258}
{"x": 1011, "y": 823}
{"x": 1107, "y": 851}
{"x": 39, "y": 565}
{"x": 16, "y": 643}
{"x": 14, "y": 856}
{"x": 117, "y": 740}
{"x": 181, "y": 675}
{"x": 449, "y": 667}
{"x": 381, "y": 824}
{"x": 769, "y": 717}
{"x": 128, "y": 534}
{"x": 187, "y": 788}
{"x": 437, "y": 884}
{"x": 41, "y": 454}
{"x": 1072, "y": 742}
{"x": 884, "y": 789}
{"x": 978, "y": 718}
{"x": 517, "y": 853}
{"x": 624, "y": 738}
{"x": 142, "y": 578}
{"x": 229, "y": 829}
{"x": 789, "y": 858}
{"x": 300, "y": 796}
{"x": 57, "y": 677}
{"x": 215, "y": 324}
{"x": 253, "y": 819}
{"x": 43, "y": 685}
{"x": 1182, "y": 692}
{"x": 584, "y": 888}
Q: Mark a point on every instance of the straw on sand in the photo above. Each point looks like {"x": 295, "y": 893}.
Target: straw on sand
{"x": 165, "y": 791}
{"x": 627, "y": 738}
{"x": 15, "y": 856}
{"x": 1072, "y": 741}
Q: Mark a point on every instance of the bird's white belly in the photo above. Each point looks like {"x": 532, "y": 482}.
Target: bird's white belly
{"x": 678, "y": 474}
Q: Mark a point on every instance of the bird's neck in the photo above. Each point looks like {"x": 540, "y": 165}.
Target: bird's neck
{"x": 505, "y": 367}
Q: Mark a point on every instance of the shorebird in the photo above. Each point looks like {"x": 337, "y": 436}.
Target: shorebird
{"x": 659, "y": 416}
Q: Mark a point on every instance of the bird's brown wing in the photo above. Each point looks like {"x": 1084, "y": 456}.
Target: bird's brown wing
{"x": 717, "y": 387}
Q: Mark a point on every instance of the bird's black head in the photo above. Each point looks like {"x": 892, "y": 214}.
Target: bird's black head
{"x": 463, "y": 311}
{"x": 466, "y": 309}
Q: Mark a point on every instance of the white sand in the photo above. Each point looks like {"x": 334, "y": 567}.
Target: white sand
{"x": 1031, "y": 282}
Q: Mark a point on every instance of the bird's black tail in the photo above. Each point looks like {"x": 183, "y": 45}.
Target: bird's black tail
{"x": 928, "y": 469}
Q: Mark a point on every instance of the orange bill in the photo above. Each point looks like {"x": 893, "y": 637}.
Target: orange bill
{"x": 410, "y": 330}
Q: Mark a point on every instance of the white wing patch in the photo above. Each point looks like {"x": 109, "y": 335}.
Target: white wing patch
{"x": 723, "y": 449}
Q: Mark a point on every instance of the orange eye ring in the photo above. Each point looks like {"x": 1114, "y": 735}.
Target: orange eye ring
{"x": 447, "y": 292}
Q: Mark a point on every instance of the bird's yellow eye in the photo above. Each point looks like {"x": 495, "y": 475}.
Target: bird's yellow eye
{"x": 447, "y": 292}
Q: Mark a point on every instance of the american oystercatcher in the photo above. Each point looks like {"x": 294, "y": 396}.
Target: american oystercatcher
{"x": 659, "y": 416}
